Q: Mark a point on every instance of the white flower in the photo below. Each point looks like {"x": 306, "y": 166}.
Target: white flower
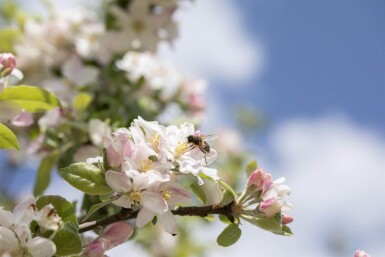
{"x": 20, "y": 243}
{"x": 187, "y": 158}
{"x": 131, "y": 192}
{"x": 47, "y": 218}
{"x": 15, "y": 235}
{"x": 78, "y": 73}
{"x": 141, "y": 27}
{"x": 50, "y": 119}
{"x": 158, "y": 75}
{"x": 174, "y": 195}
{"x": 23, "y": 119}
{"x": 98, "y": 130}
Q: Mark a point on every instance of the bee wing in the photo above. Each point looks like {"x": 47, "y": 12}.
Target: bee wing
{"x": 210, "y": 137}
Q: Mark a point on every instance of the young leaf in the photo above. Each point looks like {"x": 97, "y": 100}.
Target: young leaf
{"x": 86, "y": 177}
{"x": 226, "y": 199}
{"x": 63, "y": 208}
{"x": 227, "y": 187}
{"x": 43, "y": 175}
{"x": 67, "y": 240}
{"x": 269, "y": 224}
{"x": 224, "y": 219}
{"x": 94, "y": 208}
{"x": 81, "y": 101}
{"x": 29, "y": 98}
{"x": 250, "y": 167}
{"x": 199, "y": 193}
{"x": 8, "y": 139}
{"x": 229, "y": 235}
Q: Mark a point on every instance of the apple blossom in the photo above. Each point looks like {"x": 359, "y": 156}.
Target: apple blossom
{"x": 23, "y": 119}
{"x": 113, "y": 235}
{"x": 361, "y": 253}
{"x": 16, "y": 237}
{"x": 7, "y": 64}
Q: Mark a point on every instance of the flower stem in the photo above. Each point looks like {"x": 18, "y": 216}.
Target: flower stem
{"x": 128, "y": 214}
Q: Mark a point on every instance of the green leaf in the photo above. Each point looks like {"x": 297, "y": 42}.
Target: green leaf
{"x": 250, "y": 167}
{"x": 286, "y": 231}
{"x": 8, "y": 139}
{"x": 29, "y": 98}
{"x": 67, "y": 240}
{"x": 43, "y": 175}
{"x": 81, "y": 101}
{"x": 199, "y": 193}
{"x": 229, "y": 235}
{"x": 226, "y": 199}
{"x": 86, "y": 177}
{"x": 64, "y": 208}
{"x": 224, "y": 219}
{"x": 227, "y": 187}
{"x": 94, "y": 208}
{"x": 269, "y": 224}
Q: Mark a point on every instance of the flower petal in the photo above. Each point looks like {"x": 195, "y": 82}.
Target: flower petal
{"x": 8, "y": 240}
{"x": 41, "y": 247}
{"x": 144, "y": 216}
{"x": 118, "y": 181}
{"x": 168, "y": 221}
{"x": 154, "y": 202}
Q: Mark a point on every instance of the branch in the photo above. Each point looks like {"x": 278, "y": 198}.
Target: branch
{"x": 128, "y": 214}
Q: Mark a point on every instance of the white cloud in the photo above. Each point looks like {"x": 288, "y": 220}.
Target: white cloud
{"x": 213, "y": 43}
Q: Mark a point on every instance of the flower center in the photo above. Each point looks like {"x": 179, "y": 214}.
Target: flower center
{"x": 137, "y": 26}
{"x": 146, "y": 165}
{"x": 155, "y": 141}
{"x": 181, "y": 149}
{"x": 136, "y": 197}
{"x": 166, "y": 194}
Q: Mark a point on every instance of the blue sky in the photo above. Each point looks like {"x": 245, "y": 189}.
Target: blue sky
{"x": 322, "y": 57}
{"x": 316, "y": 69}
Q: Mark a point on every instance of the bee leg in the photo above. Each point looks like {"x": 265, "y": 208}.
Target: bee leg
{"x": 205, "y": 160}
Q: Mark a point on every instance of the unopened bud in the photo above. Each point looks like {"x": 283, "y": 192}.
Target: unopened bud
{"x": 361, "y": 253}
{"x": 23, "y": 119}
{"x": 260, "y": 180}
{"x": 112, "y": 235}
{"x": 270, "y": 207}
{"x": 117, "y": 232}
{"x": 7, "y": 64}
{"x": 286, "y": 219}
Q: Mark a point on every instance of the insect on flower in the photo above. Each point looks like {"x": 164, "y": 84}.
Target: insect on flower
{"x": 199, "y": 140}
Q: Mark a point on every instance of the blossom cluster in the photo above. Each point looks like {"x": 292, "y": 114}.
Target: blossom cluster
{"x": 263, "y": 198}
{"x": 145, "y": 162}
{"x": 16, "y": 237}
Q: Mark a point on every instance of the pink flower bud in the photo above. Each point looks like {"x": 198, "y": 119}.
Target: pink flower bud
{"x": 7, "y": 64}
{"x": 286, "y": 219}
{"x": 23, "y": 119}
{"x": 96, "y": 248}
{"x": 270, "y": 207}
{"x": 111, "y": 236}
{"x": 361, "y": 253}
{"x": 117, "y": 232}
{"x": 260, "y": 180}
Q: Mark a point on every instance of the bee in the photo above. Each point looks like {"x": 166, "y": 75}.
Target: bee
{"x": 199, "y": 140}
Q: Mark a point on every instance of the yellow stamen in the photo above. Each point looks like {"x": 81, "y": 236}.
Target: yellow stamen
{"x": 146, "y": 165}
{"x": 136, "y": 197}
{"x": 155, "y": 141}
{"x": 181, "y": 149}
{"x": 166, "y": 194}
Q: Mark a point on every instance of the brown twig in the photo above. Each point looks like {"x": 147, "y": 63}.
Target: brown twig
{"x": 128, "y": 214}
